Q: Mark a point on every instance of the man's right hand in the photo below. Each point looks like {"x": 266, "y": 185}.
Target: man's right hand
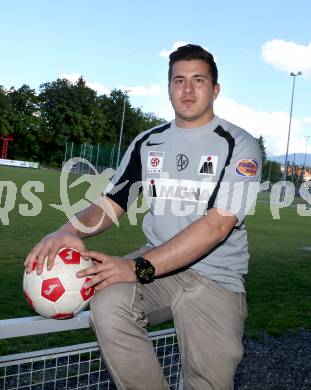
{"x": 49, "y": 246}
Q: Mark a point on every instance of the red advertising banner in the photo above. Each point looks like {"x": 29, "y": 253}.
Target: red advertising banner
{"x": 5, "y": 144}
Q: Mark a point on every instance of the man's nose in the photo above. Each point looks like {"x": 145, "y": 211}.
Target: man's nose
{"x": 188, "y": 86}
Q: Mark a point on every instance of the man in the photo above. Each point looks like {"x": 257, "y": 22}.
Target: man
{"x": 197, "y": 172}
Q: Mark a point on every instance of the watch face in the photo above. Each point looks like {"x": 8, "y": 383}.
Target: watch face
{"x": 144, "y": 270}
{"x": 146, "y": 273}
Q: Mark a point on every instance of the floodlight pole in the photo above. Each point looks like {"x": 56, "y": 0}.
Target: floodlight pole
{"x": 283, "y": 190}
{"x": 121, "y": 128}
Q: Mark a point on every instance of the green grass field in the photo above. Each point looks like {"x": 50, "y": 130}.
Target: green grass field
{"x": 278, "y": 283}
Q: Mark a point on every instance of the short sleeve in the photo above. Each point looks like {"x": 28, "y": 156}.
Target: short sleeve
{"x": 238, "y": 187}
{"x": 127, "y": 174}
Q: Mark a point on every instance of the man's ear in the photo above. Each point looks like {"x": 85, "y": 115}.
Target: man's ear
{"x": 216, "y": 91}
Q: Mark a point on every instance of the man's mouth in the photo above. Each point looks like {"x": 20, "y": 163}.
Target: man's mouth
{"x": 188, "y": 101}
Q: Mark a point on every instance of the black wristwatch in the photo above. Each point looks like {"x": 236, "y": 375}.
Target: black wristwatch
{"x": 144, "y": 270}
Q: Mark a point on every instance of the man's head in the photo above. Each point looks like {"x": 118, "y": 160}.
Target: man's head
{"x": 193, "y": 52}
{"x": 193, "y": 86}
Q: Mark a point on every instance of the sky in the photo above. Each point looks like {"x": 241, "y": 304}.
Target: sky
{"x": 125, "y": 44}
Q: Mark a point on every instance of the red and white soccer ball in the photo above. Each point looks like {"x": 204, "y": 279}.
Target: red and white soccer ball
{"x": 58, "y": 293}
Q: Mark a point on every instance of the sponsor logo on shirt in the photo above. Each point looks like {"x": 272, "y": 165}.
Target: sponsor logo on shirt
{"x": 182, "y": 162}
{"x": 188, "y": 190}
{"x": 246, "y": 167}
{"x": 208, "y": 165}
{"x": 155, "y": 162}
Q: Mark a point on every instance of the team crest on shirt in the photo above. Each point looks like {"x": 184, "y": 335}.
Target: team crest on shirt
{"x": 155, "y": 162}
{"x": 246, "y": 167}
{"x": 208, "y": 165}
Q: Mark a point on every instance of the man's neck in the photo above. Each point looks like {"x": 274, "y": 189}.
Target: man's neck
{"x": 193, "y": 124}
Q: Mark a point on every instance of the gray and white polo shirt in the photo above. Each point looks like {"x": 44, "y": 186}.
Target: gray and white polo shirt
{"x": 185, "y": 172}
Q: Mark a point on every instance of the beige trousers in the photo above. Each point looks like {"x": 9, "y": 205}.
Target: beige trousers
{"x": 209, "y": 322}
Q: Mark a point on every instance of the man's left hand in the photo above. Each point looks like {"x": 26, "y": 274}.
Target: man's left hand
{"x": 107, "y": 270}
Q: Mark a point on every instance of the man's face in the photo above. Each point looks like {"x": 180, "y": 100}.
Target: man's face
{"x": 192, "y": 93}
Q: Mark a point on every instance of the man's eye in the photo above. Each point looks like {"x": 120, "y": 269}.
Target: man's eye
{"x": 179, "y": 81}
{"x": 198, "y": 81}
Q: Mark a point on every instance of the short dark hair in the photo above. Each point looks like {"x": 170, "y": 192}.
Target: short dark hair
{"x": 193, "y": 52}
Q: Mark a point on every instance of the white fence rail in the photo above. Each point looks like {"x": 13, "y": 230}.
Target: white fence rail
{"x": 72, "y": 367}
{"x": 28, "y": 326}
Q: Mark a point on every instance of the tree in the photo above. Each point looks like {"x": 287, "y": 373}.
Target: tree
{"x": 135, "y": 120}
{"x": 6, "y": 113}
{"x": 261, "y": 143}
{"x": 271, "y": 171}
{"x": 152, "y": 120}
{"x": 70, "y": 113}
{"x": 26, "y": 124}
{"x": 112, "y": 108}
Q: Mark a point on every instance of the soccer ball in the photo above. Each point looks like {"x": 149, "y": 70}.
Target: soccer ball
{"x": 58, "y": 293}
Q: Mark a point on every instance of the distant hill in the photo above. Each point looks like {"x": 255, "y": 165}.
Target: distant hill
{"x": 297, "y": 157}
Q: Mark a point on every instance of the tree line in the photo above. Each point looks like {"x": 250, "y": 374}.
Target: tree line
{"x": 61, "y": 112}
